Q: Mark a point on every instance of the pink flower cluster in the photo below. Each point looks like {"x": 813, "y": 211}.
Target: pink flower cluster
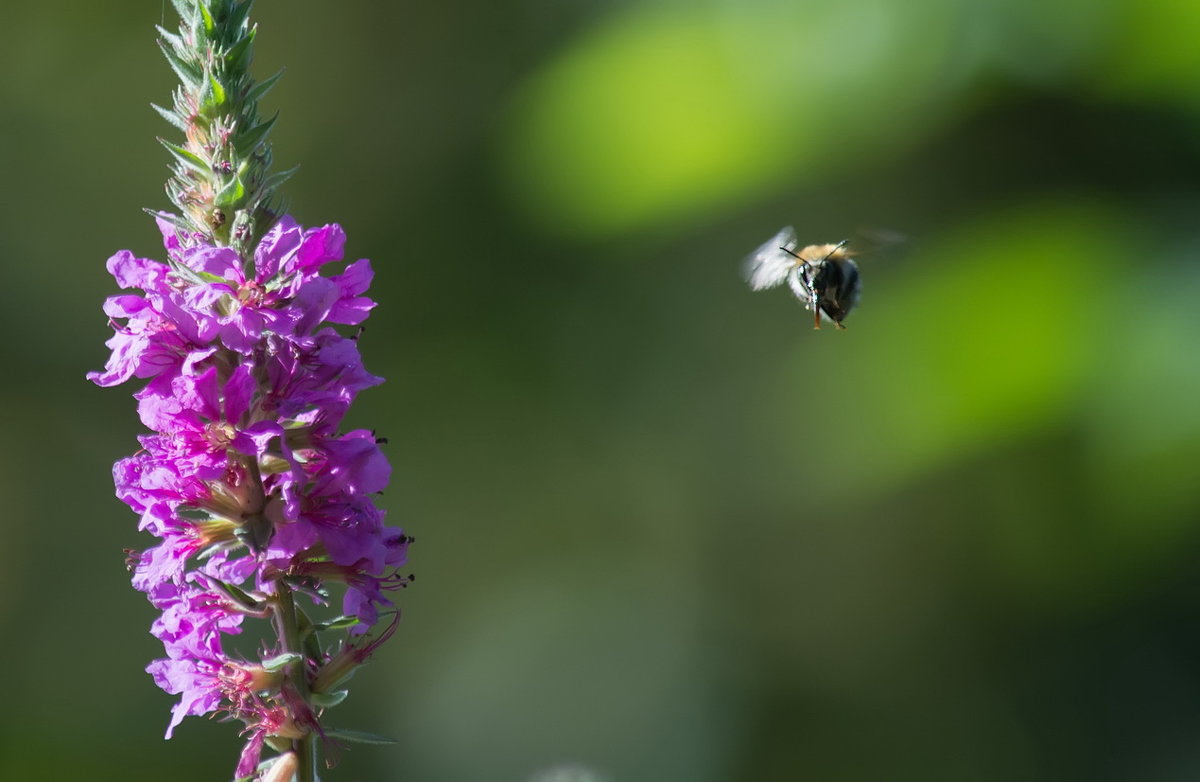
{"x": 252, "y": 489}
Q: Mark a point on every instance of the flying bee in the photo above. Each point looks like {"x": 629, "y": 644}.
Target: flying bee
{"x": 821, "y": 276}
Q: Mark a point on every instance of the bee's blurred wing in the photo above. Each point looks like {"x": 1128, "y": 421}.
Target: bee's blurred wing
{"x": 800, "y": 290}
{"x": 769, "y": 265}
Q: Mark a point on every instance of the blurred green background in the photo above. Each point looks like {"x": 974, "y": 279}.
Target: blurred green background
{"x": 666, "y": 531}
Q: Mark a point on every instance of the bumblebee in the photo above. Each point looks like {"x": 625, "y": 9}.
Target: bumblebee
{"x": 821, "y": 276}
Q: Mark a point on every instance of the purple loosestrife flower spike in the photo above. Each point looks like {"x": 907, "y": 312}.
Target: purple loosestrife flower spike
{"x": 262, "y": 505}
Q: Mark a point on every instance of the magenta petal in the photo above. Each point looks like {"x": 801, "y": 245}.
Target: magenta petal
{"x": 194, "y": 358}
{"x": 256, "y": 440}
{"x": 351, "y": 311}
{"x": 314, "y": 300}
{"x": 160, "y": 564}
{"x": 320, "y": 246}
{"x": 242, "y": 374}
{"x": 182, "y": 677}
{"x": 289, "y": 540}
{"x": 157, "y": 411}
{"x": 127, "y": 306}
{"x": 217, "y": 261}
{"x": 352, "y": 308}
{"x": 122, "y": 364}
{"x": 191, "y": 313}
{"x": 239, "y": 391}
{"x": 200, "y": 394}
{"x": 361, "y": 604}
{"x": 356, "y": 279}
{"x": 133, "y": 272}
{"x": 250, "y": 756}
{"x": 169, "y": 233}
{"x": 279, "y": 243}
{"x": 356, "y": 464}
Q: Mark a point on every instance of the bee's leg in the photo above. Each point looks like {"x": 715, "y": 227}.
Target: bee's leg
{"x": 816, "y": 308}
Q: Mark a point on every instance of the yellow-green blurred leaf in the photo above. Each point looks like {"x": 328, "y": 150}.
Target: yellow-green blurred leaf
{"x": 976, "y": 341}
{"x": 669, "y": 111}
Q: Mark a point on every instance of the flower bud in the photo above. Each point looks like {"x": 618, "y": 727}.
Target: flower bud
{"x": 283, "y": 769}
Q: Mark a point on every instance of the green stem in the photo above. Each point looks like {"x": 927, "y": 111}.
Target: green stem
{"x": 288, "y": 629}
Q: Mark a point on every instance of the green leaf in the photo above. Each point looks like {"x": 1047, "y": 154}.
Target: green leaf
{"x": 209, "y": 23}
{"x": 214, "y": 94}
{"x": 237, "y": 16}
{"x": 270, "y": 464}
{"x": 279, "y": 662}
{"x": 210, "y": 277}
{"x": 231, "y": 194}
{"x": 187, "y": 158}
{"x": 175, "y": 191}
{"x": 238, "y": 56}
{"x": 328, "y": 699}
{"x": 263, "y": 87}
{"x": 357, "y": 736}
{"x": 246, "y": 143}
{"x": 340, "y": 681}
{"x": 224, "y": 546}
{"x": 237, "y": 595}
{"x": 275, "y": 180}
{"x": 338, "y": 623}
{"x": 170, "y": 116}
{"x": 188, "y": 73}
{"x": 279, "y": 744}
{"x": 170, "y": 37}
{"x": 181, "y": 224}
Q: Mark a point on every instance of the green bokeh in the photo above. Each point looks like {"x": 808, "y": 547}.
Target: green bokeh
{"x": 666, "y": 531}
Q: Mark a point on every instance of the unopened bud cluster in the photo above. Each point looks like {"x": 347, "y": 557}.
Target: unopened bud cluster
{"x": 220, "y": 181}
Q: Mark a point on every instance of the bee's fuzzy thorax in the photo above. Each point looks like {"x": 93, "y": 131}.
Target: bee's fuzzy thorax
{"x": 819, "y": 252}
